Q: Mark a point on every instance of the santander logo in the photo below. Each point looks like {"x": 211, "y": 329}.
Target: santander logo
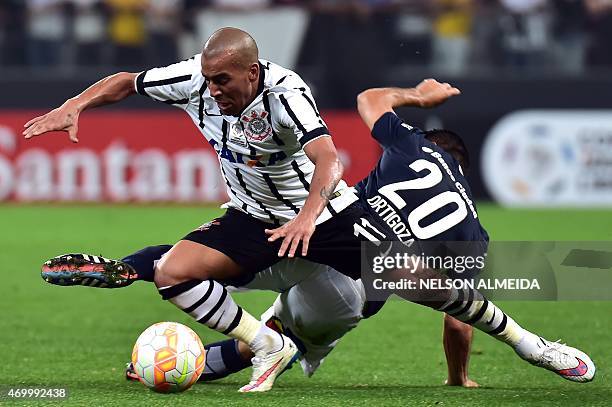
{"x": 113, "y": 173}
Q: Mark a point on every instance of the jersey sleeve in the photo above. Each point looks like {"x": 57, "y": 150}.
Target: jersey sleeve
{"x": 389, "y": 128}
{"x": 170, "y": 84}
{"x": 299, "y": 112}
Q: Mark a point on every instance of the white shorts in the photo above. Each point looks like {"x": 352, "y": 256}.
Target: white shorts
{"x": 318, "y": 304}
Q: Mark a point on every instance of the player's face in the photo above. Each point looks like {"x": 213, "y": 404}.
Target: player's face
{"x": 231, "y": 85}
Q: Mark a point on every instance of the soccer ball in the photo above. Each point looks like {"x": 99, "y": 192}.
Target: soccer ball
{"x": 168, "y": 357}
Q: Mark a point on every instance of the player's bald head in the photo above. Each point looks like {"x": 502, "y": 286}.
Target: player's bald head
{"x": 235, "y": 45}
{"x": 230, "y": 66}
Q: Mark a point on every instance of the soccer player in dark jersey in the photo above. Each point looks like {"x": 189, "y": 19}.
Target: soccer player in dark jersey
{"x": 419, "y": 183}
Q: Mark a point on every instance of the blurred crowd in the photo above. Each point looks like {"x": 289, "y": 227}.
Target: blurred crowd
{"x": 454, "y": 36}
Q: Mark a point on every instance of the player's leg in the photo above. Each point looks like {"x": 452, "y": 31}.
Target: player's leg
{"x": 185, "y": 277}
{"x": 225, "y": 358}
{"x": 471, "y": 307}
{"x": 144, "y": 261}
{"x": 230, "y": 356}
{"x": 457, "y": 340}
{"x": 315, "y": 313}
{"x": 319, "y": 311}
{"x": 206, "y": 300}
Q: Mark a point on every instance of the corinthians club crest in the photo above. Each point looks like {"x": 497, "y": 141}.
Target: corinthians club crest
{"x": 256, "y": 126}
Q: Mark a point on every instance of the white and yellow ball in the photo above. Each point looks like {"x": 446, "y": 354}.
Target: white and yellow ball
{"x": 168, "y": 357}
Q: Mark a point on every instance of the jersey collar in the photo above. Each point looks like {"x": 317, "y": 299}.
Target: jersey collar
{"x": 262, "y": 78}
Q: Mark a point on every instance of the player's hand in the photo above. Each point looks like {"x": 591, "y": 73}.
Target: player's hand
{"x": 463, "y": 383}
{"x": 298, "y": 229}
{"x": 64, "y": 118}
{"x": 432, "y": 93}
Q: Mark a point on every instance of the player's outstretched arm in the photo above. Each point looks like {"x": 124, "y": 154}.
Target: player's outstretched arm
{"x": 373, "y": 103}
{"x": 109, "y": 90}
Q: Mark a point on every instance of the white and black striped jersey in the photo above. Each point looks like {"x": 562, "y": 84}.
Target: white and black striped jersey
{"x": 261, "y": 152}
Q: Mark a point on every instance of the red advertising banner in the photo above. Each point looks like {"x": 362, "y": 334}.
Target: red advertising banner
{"x": 142, "y": 155}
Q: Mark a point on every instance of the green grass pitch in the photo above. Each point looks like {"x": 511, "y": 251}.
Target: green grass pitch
{"x": 80, "y": 338}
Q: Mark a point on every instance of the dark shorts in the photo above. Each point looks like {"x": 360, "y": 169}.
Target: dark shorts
{"x": 242, "y": 238}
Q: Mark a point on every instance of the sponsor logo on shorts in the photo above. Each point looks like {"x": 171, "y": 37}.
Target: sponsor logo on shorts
{"x": 208, "y": 225}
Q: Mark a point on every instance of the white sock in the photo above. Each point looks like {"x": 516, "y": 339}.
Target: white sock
{"x": 247, "y": 328}
{"x": 267, "y": 340}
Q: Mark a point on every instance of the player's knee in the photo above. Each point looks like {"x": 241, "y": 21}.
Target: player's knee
{"x": 164, "y": 274}
{"x": 171, "y": 271}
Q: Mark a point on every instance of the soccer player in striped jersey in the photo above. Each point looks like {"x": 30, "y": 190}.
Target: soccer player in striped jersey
{"x": 282, "y": 173}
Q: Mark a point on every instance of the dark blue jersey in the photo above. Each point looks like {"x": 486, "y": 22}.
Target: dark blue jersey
{"x": 417, "y": 189}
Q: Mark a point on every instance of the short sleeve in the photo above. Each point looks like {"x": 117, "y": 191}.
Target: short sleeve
{"x": 170, "y": 84}
{"x": 389, "y": 128}
{"x": 300, "y": 113}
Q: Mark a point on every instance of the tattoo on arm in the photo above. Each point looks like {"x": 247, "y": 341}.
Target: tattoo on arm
{"x": 327, "y": 192}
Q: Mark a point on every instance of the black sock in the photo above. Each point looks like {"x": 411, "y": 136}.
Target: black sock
{"x": 223, "y": 359}
{"x": 143, "y": 261}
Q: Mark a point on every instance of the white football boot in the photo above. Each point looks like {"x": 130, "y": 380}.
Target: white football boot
{"x": 267, "y": 366}
{"x": 567, "y": 362}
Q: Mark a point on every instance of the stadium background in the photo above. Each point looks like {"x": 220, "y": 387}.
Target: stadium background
{"x": 535, "y": 112}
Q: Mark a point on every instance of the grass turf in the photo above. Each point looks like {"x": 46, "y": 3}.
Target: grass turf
{"x": 80, "y": 338}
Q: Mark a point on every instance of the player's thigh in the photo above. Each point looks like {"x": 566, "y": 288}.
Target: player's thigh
{"x": 321, "y": 309}
{"x": 231, "y": 249}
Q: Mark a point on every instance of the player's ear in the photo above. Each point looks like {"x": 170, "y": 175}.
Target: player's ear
{"x": 253, "y": 72}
